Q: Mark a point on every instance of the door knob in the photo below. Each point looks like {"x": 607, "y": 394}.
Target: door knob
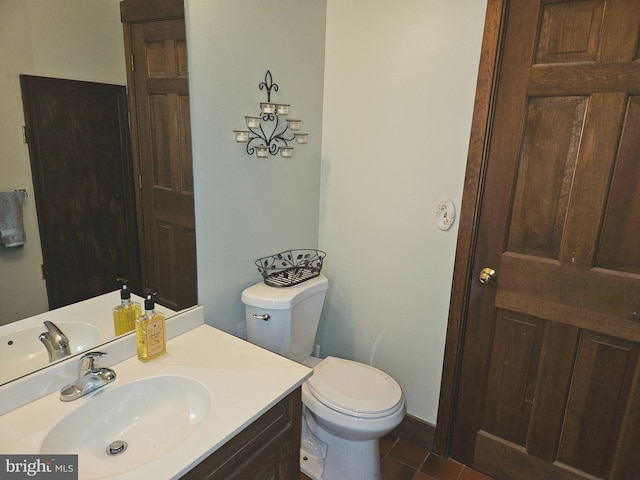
{"x": 487, "y": 275}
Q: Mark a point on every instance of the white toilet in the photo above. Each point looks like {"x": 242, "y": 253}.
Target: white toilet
{"x": 347, "y": 406}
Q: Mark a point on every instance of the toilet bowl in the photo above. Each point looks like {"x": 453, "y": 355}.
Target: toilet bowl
{"x": 347, "y": 405}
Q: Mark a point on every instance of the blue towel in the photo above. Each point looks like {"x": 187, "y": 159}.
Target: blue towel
{"x": 11, "y": 223}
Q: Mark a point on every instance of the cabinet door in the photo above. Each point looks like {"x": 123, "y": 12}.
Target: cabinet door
{"x": 268, "y": 449}
{"x": 272, "y": 461}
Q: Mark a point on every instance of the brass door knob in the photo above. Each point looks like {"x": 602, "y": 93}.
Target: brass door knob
{"x": 487, "y": 276}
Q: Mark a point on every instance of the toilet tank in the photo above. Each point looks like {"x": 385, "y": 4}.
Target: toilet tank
{"x": 293, "y": 316}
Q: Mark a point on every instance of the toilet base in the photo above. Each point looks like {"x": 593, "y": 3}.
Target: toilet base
{"x": 313, "y": 452}
{"x": 324, "y": 456}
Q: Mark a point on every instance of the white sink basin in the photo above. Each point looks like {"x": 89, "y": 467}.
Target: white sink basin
{"x": 152, "y": 415}
{"x": 22, "y": 352}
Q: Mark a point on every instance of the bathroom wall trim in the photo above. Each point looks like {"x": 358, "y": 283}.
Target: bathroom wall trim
{"x": 416, "y": 431}
{"x": 469, "y": 219}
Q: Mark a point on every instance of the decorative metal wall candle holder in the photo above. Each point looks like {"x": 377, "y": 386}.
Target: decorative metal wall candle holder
{"x": 278, "y": 132}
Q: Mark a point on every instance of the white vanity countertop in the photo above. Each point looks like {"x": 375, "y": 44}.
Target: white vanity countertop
{"x": 244, "y": 382}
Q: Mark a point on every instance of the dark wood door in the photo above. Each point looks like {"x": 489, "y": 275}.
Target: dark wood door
{"x": 81, "y": 165}
{"x": 162, "y": 145}
{"x": 549, "y": 384}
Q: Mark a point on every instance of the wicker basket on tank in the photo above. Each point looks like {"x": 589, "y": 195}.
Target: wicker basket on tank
{"x": 291, "y": 267}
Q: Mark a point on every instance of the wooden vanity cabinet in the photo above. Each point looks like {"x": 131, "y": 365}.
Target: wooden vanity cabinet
{"x": 268, "y": 449}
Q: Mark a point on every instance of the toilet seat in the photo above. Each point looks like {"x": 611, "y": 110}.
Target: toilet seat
{"x": 354, "y": 389}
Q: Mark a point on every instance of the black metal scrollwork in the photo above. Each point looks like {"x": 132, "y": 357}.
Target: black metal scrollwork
{"x": 273, "y": 138}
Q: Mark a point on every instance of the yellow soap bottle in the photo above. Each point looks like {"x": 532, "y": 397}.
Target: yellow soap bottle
{"x": 150, "y": 331}
{"x": 125, "y": 314}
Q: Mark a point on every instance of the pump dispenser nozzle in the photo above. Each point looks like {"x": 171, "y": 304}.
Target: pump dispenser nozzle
{"x": 149, "y": 303}
{"x": 150, "y": 330}
{"x": 125, "y": 314}
{"x": 125, "y": 291}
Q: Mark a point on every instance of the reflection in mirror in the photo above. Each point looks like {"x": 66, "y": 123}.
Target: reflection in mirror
{"x": 78, "y": 135}
{"x": 85, "y": 324}
{"x": 68, "y": 39}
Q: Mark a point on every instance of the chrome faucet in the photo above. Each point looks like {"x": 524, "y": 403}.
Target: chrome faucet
{"x": 91, "y": 378}
{"x": 56, "y": 342}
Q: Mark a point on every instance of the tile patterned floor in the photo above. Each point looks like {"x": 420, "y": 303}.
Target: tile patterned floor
{"x": 402, "y": 460}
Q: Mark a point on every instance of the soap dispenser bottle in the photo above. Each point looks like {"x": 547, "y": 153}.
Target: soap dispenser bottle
{"x": 150, "y": 331}
{"x": 125, "y": 314}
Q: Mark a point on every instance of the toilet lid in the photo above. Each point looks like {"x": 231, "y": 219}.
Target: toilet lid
{"x": 354, "y": 388}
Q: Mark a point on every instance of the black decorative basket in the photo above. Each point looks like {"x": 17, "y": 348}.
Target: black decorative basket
{"x": 291, "y": 267}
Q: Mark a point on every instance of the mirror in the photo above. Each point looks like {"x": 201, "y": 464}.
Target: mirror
{"x": 71, "y": 39}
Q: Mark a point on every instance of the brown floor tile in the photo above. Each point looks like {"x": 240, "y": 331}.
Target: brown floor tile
{"x": 393, "y": 469}
{"x": 386, "y": 443}
{"x": 468, "y": 474}
{"x": 440, "y": 468}
{"x": 409, "y": 453}
{"x": 422, "y": 476}
{"x": 403, "y": 460}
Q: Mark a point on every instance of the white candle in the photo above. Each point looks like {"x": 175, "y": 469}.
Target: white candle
{"x": 262, "y": 151}
{"x": 301, "y": 137}
{"x": 253, "y": 122}
{"x": 241, "y": 135}
{"x": 294, "y": 124}
{"x": 282, "y": 109}
{"x": 268, "y": 107}
{"x": 286, "y": 152}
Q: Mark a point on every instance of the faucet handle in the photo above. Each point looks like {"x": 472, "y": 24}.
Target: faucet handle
{"x": 89, "y": 362}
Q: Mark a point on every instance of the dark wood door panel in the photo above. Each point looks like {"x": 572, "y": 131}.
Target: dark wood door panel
{"x": 174, "y": 247}
{"x": 169, "y": 143}
{"x": 599, "y": 395}
{"x": 619, "y": 244}
{"x": 557, "y": 357}
{"x": 551, "y": 140}
{"x": 158, "y": 34}
{"x": 512, "y": 375}
{"x": 558, "y": 398}
{"x": 557, "y": 393}
{"x": 598, "y": 148}
{"x": 174, "y": 208}
{"x": 570, "y": 295}
{"x": 569, "y": 32}
{"x": 506, "y": 461}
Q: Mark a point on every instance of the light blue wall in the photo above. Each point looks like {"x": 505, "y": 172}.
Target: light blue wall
{"x": 247, "y": 207}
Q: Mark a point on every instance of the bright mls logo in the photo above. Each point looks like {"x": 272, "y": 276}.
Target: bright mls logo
{"x": 58, "y": 467}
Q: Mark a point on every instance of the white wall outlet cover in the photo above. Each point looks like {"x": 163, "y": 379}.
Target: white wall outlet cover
{"x": 445, "y": 214}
